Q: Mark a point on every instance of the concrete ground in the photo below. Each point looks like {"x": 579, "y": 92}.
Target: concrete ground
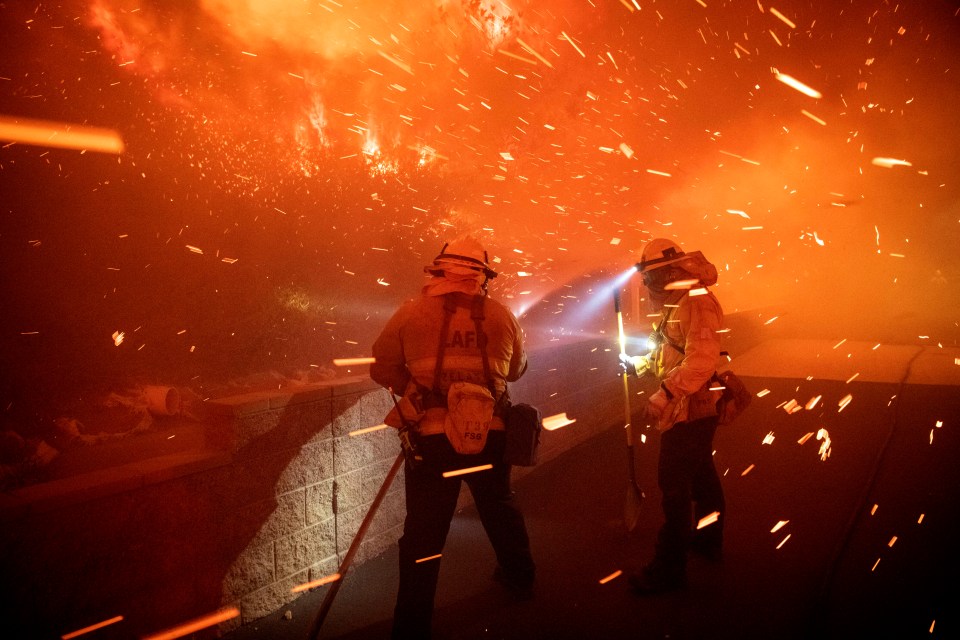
{"x": 842, "y": 485}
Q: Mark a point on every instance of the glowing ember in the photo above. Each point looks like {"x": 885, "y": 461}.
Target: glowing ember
{"x": 93, "y": 627}
{"x": 792, "y": 406}
{"x": 429, "y": 558}
{"x": 708, "y": 519}
{"x": 460, "y": 472}
{"x": 889, "y": 163}
{"x": 844, "y": 402}
{"x": 360, "y": 432}
{"x": 59, "y": 135}
{"x": 615, "y": 574}
{"x": 350, "y": 362}
{"x": 196, "y": 625}
{"x": 782, "y": 17}
{"x": 824, "y": 436}
{"x": 557, "y": 421}
{"x": 681, "y": 284}
{"x": 793, "y": 83}
{"x": 306, "y": 586}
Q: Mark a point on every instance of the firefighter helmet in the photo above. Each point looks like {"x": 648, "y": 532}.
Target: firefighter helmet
{"x": 659, "y": 252}
{"x": 464, "y": 256}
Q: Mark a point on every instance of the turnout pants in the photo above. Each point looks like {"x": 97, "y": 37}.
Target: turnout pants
{"x": 691, "y": 490}
{"x": 431, "y": 502}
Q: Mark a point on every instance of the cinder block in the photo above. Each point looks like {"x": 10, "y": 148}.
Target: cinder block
{"x": 296, "y": 553}
{"x": 354, "y": 453}
{"x": 348, "y": 491}
{"x": 252, "y": 429}
{"x": 320, "y": 502}
{"x": 265, "y": 601}
{"x": 312, "y": 463}
{"x": 326, "y": 567}
{"x": 281, "y": 516}
{"x": 253, "y": 568}
{"x": 360, "y": 410}
{"x": 284, "y": 428}
{"x": 374, "y": 475}
{"x": 348, "y": 522}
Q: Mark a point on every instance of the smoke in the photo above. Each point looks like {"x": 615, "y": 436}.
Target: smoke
{"x": 290, "y": 167}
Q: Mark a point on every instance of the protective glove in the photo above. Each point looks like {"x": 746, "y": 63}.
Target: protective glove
{"x": 660, "y": 410}
{"x": 634, "y": 365}
{"x": 656, "y": 404}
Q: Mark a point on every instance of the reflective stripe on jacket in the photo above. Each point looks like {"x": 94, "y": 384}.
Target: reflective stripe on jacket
{"x": 692, "y": 324}
{"x": 406, "y": 350}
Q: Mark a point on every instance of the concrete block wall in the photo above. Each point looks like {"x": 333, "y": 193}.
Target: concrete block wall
{"x": 273, "y": 501}
{"x": 323, "y": 482}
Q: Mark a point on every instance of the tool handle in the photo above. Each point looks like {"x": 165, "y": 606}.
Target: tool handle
{"x": 352, "y": 550}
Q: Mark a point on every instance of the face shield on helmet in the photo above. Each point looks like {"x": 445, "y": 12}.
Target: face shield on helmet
{"x": 463, "y": 256}
{"x": 665, "y": 267}
{"x": 658, "y": 254}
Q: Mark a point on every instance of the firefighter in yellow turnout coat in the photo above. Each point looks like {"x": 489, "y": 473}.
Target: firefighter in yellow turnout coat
{"x": 431, "y": 350}
{"x": 683, "y": 409}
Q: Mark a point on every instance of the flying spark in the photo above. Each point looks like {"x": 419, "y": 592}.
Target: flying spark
{"x": 460, "y": 472}
{"x": 793, "y": 83}
{"x": 196, "y": 625}
{"x": 351, "y": 362}
{"x": 360, "y": 432}
{"x": 60, "y": 135}
{"x": 429, "y": 558}
{"x": 615, "y": 574}
{"x": 306, "y": 586}
{"x": 93, "y": 627}
{"x": 557, "y": 421}
{"x": 708, "y": 520}
{"x": 782, "y": 17}
{"x": 888, "y": 163}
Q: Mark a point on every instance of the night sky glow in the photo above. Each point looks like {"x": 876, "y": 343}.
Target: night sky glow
{"x": 288, "y": 167}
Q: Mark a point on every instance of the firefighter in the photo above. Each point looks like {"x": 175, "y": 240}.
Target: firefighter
{"x": 683, "y": 409}
{"x": 450, "y": 354}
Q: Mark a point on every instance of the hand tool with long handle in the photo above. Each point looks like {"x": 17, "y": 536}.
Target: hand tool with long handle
{"x": 352, "y": 550}
{"x": 631, "y": 509}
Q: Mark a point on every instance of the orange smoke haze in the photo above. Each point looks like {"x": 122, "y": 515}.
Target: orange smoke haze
{"x": 294, "y": 166}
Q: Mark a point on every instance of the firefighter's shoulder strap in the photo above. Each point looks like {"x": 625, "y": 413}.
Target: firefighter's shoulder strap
{"x": 661, "y": 331}
{"x": 449, "y": 307}
{"x": 476, "y": 312}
